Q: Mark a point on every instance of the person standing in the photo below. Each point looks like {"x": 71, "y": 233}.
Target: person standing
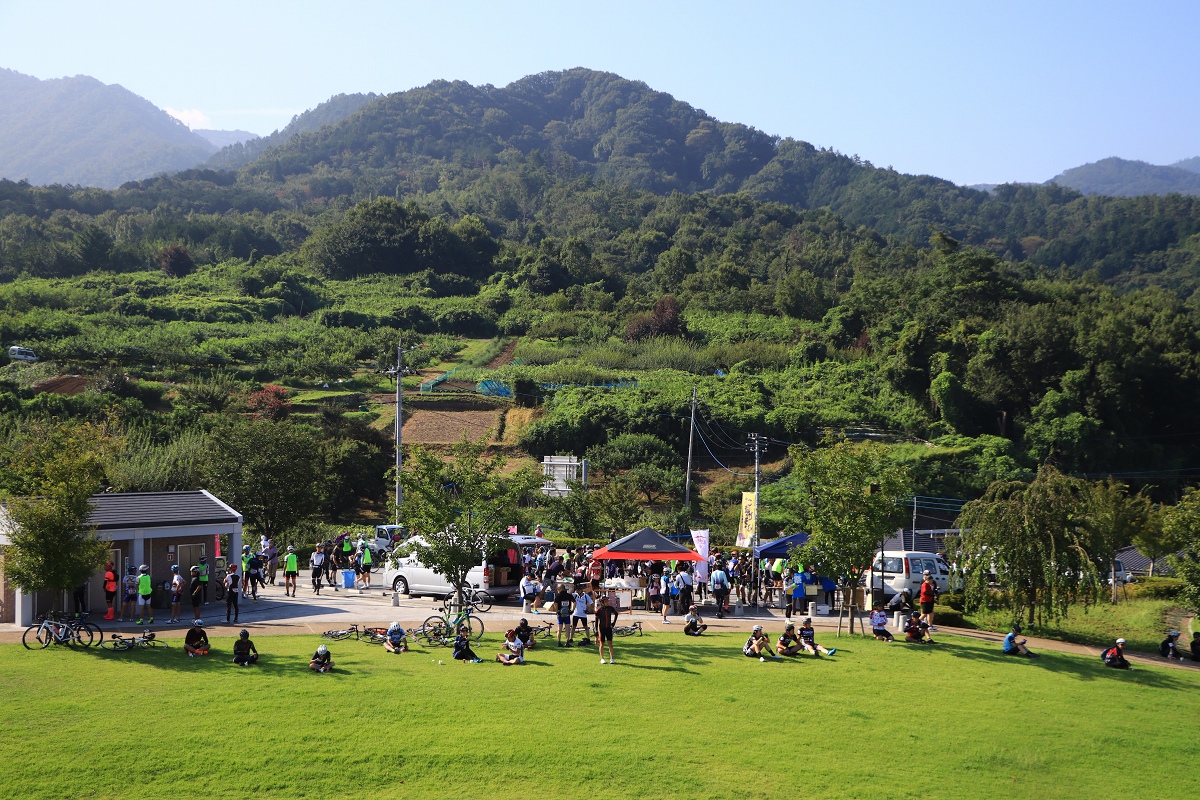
{"x": 665, "y": 585}
{"x": 245, "y": 570}
{"x": 196, "y": 593}
{"x": 583, "y": 604}
{"x": 110, "y": 590}
{"x": 244, "y": 651}
{"x": 367, "y": 562}
{"x": 291, "y": 571}
{"x": 606, "y": 622}
{"x": 564, "y": 602}
{"x": 254, "y": 574}
{"x": 317, "y": 562}
{"x": 203, "y": 567}
{"x": 129, "y": 587}
{"x": 176, "y": 593}
{"x": 271, "y": 553}
{"x": 145, "y": 589}
{"x": 683, "y": 579}
{"x": 928, "y": 596}
{"x": 79, "y": 596}
{"x": 232, "y": 579}
{"x": 720, "y": 589}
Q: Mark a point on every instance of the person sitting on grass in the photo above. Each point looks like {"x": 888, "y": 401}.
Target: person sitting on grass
{"x": 693, "y": 625}
{"x": 397, "y": 639}
{"x": 901, "y": 601}
{"x": 1115, "y": 656}
{"x": 1168, "y": 647}
{"x": 462, "y": 646}
{"x": 195, "y": 641}
{"x": 758, "y": 644}
{"x": 808, "y": 639}
{"x": 789, "y": 642}
{"x": 916, "y": 630}
{"x": 244, "y": 651}
{"x": 322, "y": 660}
{"x": 1014, "y": 648}
{"x": 879, "y": 620}
{"x": 1195, "y": 645}
{"x": 525, "y": 634}
{"x": 514, "y": 650}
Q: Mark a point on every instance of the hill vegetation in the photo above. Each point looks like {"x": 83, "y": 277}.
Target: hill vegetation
{"x": 626, "y": 247}
{"x": 83, "y": 132}
{"x": 1122, "y": 178}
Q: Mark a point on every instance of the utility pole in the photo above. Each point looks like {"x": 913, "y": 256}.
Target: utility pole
{"x": 399, "y": 423}
{"x": 687, "y": 480}
{"x": 914, "y": 528}
{"x": 758, "y": 444}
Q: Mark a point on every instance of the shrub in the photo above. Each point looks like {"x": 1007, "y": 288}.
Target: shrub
{"x": 953, "y": 600}
{"x": 1156, "y": 588}
{"x": 945, "y": 615}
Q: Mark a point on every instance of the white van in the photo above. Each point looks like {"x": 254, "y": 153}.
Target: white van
{"x": 905, "y": 569}
{"x": 494, "y": 575}
{"x": 17, "y": 353}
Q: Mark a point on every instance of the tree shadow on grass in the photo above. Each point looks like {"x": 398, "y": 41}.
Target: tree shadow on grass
{"x": 1077, "y": 666}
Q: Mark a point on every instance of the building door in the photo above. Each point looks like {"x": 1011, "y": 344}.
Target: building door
{"x": 189, "y": 556}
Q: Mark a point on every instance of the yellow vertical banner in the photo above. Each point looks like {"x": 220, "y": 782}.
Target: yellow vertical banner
{"x": 749, "y": 524}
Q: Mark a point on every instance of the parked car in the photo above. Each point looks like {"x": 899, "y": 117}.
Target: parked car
{"x": 18, "y": 353}
{"x": 407, "y": 575}
{"x": 905, "y": 569}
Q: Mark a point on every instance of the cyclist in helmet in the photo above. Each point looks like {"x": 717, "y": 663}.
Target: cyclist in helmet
{"x": 176, "y": 592}
{"x": 244, "y": 651}
{"x": 145, "y": 590}
{"x": 397, "y": 640}
{"x": 195, "y": 641}
{"x": 130, "y": 586}
{"x": 321, "y": 661}
{"x": 513, "y": 651}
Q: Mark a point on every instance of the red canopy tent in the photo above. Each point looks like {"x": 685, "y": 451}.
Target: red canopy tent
{"x": 646, "y": 545}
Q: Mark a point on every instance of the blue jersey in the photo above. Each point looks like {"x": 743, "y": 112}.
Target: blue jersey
{"x": 1010, "y": 642}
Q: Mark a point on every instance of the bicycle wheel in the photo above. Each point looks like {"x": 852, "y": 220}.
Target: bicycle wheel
{"x": 117, "y": 645}
{"x": 81, "y": 634}
{"x": 451, "y": 604}
{"x": 34, "y": 639}
{"x": 482, "y": 601}
{"x": 154, "y": 643}
{"x": 97, "y": 633}
{"x": 474, "y": 626}
{"x": 434, "y": 632}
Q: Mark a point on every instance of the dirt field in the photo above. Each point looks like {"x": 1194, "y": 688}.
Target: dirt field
{"x": 505, "y": 357}
{"x": 64, "y": 384}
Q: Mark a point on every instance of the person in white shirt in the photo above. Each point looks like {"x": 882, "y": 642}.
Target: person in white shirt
{"x": 693, "y": 625}
{"x": 879, "y": 620}
{"x": 317, "y": 562}
{"x": 177, "y": 583}
{"x": 529, "y": 591}
{"x": 583, "y": 604}
{"x": 513, "y": 652}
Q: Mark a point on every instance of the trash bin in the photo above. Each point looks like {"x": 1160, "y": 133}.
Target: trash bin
{"x": 347, "y": 579}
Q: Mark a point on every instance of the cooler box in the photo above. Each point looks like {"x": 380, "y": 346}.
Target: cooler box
{"x": 820, "y": 610}
{"x": 347, "y": 579}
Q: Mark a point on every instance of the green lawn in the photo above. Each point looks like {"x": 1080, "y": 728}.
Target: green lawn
{"x": 1143, "y": 622}
{"x": 674, "y": 717}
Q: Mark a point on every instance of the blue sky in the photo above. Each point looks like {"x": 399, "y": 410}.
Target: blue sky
{"x": 973, "y": 92}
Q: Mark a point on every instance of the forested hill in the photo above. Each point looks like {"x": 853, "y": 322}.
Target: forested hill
{"x": 333, "y": 110}
{"x": 1122, "y": 178}
{"x": 494, "y": 151}
{"x": 81, "y": 131}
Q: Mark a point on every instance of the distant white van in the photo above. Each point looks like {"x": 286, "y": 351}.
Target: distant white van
{"x": 497, "y": 574}
{"x": 18, "y": 353}
{"x": 905, "y": 569}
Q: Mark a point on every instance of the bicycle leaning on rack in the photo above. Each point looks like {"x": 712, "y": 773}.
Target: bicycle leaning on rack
{"x": 119, "y": 643}
{"x": 59, "y": 628}
{"x": 440, "y": 630}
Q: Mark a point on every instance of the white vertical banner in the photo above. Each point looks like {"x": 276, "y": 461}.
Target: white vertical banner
{"x": 700, "y": 539}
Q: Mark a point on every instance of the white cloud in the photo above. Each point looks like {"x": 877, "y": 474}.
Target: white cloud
{"x": 192, "y": 117}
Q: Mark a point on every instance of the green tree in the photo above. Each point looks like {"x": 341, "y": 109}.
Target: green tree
{"x": 461, "y": 508}
{"x": 268, "y": 471}
{"x": 577, "y": 512}
{"x": 1181, "y": 528}
{"x": 617, "y": 506}
{"x": 54, "y": 469}
{"x": 847, "y": 497}
{"x": 1034, "y": 538}
{"x": 1115, "y": 517}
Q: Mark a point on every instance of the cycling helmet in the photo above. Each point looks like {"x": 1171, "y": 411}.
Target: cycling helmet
{"x": 322, "y": 649}
{"x": 510, "y": 633}
{"x": 174, "y": 568}
{"x": 198, "y": 623}
{"x": 203, "y": 559}
{"x": 143, "y": 568}
{"x": 131, "y": 571}
{"x": 1120, "y": 641}
{"x": 245, "y": 634}
{"x": 290, "y": 548}
{"x": 1016, "y": 628}
{"x": 757, "y": 628}
{"x": 245, "y": 548}
{"x": 195, "y": 570}
{"x": 394, "y": 626}
{"x": 524, "y": 622}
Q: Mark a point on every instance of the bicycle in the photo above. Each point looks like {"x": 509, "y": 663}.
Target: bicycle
{"x": 52, "y": 629}
{"x": 628, "y": 630}
{"x": 543, "y": 630}
{"x": 474, "y": 598}
{"x": 119, "y": 643}
{"x": 352, "y": 632}
{"x": 374, "y": 635}
{"x": 441, "y": 630}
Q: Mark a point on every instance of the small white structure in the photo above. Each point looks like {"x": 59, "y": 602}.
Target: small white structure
{"x": 560, "y": 469}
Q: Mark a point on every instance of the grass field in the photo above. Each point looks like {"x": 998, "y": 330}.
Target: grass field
{"x": 1143, "y": 622}
{"x": 673, "y": 717}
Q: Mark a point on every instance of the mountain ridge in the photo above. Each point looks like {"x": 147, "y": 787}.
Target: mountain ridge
{"x": 1118, "y": 177}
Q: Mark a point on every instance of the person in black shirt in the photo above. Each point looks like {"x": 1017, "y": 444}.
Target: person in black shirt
{"x": 606, "y": 620}
{"x": 1196, "y": 646}
{"x": 462, "y": 646}
{"x": 196, "y": 592}
{"x": 564, "y": 601}
{"x": 1115, "y": 656}
{"x": 244, "y": 651}
{"x": 1168, "y": 649}
{"x": 195, "y": 641}
{"x": 525, "y": 634}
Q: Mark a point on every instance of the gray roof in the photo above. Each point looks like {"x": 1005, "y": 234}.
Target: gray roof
{"x": 119, "y": 510}
{"x": 1135, "y": 562}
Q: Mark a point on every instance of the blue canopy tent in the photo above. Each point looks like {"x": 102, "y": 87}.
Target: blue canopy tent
{"x": 779, "y": 548}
